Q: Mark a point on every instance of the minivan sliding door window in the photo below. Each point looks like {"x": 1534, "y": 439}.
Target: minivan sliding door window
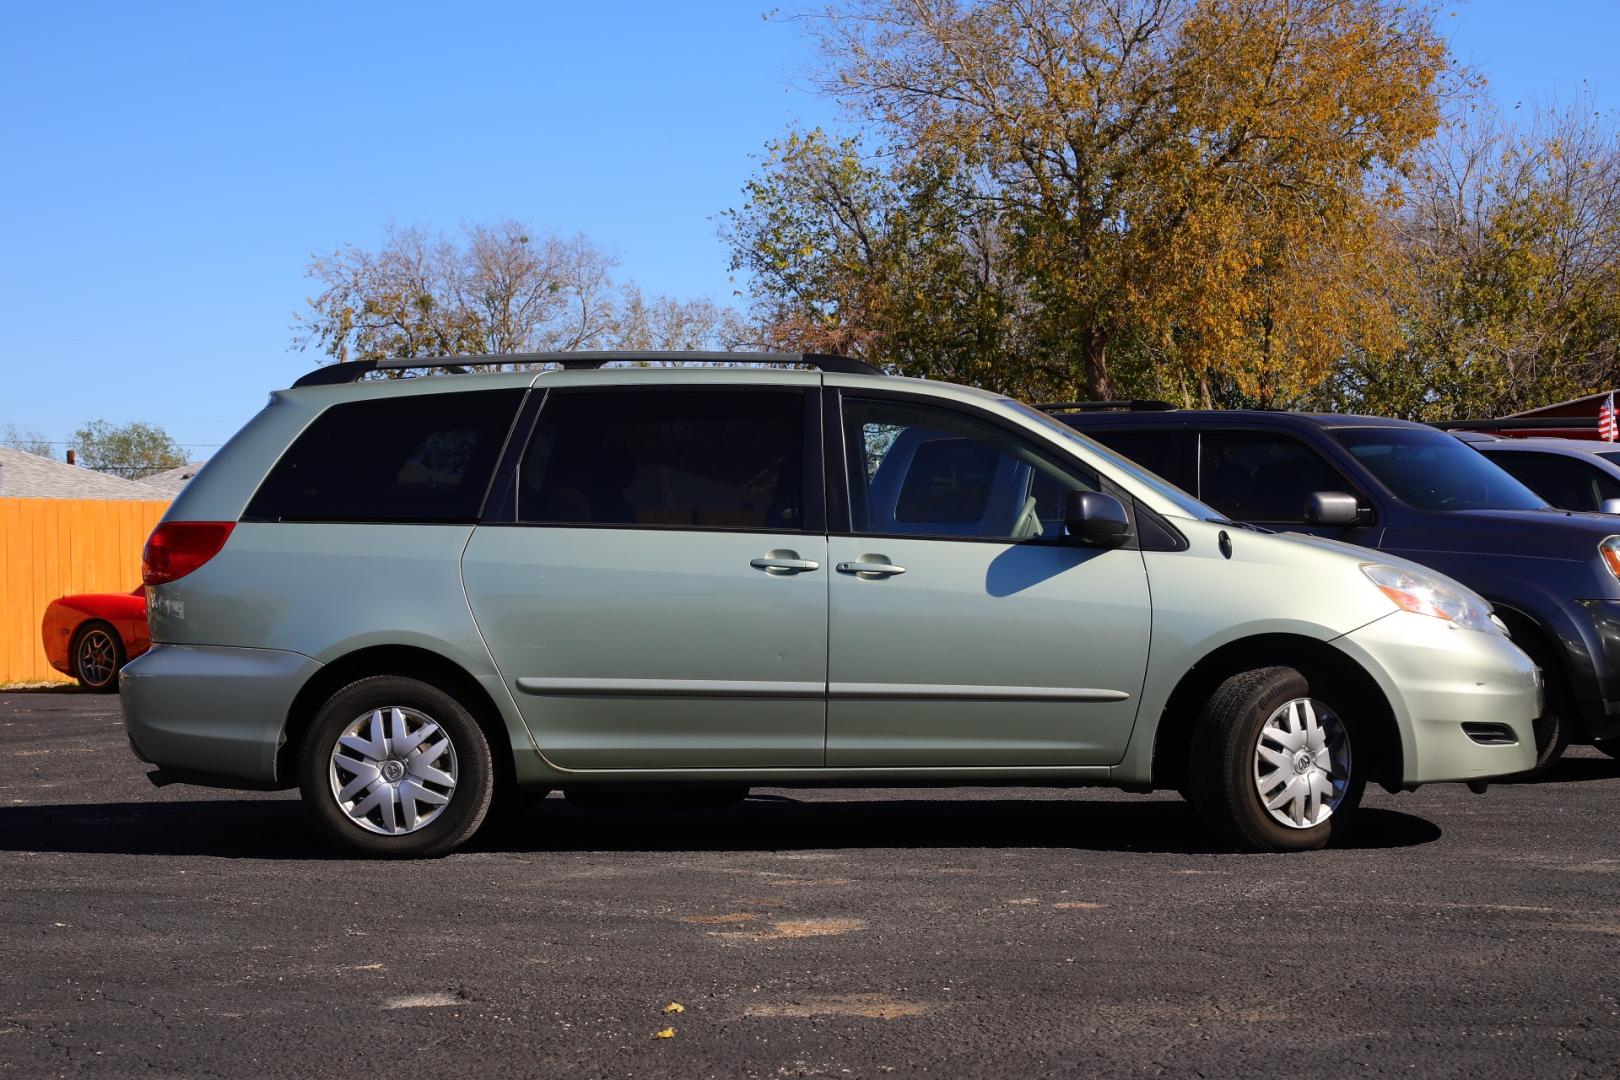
{"x": 670, "y": 459}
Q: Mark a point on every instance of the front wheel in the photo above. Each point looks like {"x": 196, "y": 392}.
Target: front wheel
{"x": 1272, "y": 766}
{"x": 395, "y": 767}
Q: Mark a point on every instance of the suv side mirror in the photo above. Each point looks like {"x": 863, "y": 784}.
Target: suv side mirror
{"x": 1095, "y": 519}
{"x": 1609, "y": 506}
{"x": 1331, "y": 508}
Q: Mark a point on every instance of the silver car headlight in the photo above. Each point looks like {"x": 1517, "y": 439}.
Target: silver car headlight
{"x": 1431, "y": 594}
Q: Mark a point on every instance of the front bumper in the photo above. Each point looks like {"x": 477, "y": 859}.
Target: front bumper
{"x": 1591, "y": 642}
{"x": 206, "y": 711}
{"x": 1437, "y": 677}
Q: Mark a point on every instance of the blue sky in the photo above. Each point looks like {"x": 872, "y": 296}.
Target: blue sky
{"x": 166, "y": 170}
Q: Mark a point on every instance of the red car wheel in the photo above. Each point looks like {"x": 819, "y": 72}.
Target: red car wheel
{"x": 97, "y": 655}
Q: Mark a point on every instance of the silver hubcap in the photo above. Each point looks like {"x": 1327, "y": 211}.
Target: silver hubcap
{"x": 393, "y": 770}
{"x": 1302, "y": 763}
{"x": 98, "y": 657}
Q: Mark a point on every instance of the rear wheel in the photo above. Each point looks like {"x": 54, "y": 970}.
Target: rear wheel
{"x": 1272, "y": 765}
{"x": 98, "y": 653}
{"x": 396, "y": 767}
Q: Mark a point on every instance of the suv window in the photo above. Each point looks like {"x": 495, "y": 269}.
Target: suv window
{"x": 1262, "y": 476}
{"x": 731, "y": 459}
{"x": 1163, "y": 453}
{"x": 918, "y": 470}
{"x": 411, "y": 458}
{"x": 1566, "y": 482}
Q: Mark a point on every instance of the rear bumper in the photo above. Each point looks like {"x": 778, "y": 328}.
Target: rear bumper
{"x": 209, "y": 713}
{"x": 1436, "y": 677}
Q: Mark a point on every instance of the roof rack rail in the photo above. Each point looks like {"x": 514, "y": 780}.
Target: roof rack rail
{"x": 352, "y": 370}
{"x": 1124, "y": 405}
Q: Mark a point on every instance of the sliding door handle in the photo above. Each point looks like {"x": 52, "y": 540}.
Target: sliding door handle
{"x": 783, "y": 562}
{"x": 870, "y": 569}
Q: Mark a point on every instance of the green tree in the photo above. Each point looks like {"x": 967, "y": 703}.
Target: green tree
{"x": 500, "y": 288}
{"x": 1100, "y": 195}
{"x": 1509, "y": 243}
{"x": 28, "y": 440}
{"x": 129, "y": 450}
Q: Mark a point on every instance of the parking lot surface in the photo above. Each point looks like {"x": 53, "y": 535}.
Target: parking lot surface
{"x": 1000, "y": 932}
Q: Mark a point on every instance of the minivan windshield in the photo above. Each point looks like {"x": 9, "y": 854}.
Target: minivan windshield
{"x": 1434, "y": 471}
{"x": 1183, "y": 501}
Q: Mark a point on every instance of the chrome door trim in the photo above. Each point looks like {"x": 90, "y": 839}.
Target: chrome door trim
{"x": 935, "y": 692}
{"x": 698, "y": 688}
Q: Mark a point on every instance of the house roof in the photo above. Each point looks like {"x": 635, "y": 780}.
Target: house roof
{"x": 29, "y": 476}
{"x": 172, "y": 480}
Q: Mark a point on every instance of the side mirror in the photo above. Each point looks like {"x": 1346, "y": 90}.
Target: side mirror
{"x": 1609, "y": 506}
{"x": 1095, "y": 519}
{"x": 1331, "y": 508}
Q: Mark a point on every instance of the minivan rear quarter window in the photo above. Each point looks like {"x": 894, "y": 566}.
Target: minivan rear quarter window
{"x": 422, "y": 458}
{"x": 678, "y": 459}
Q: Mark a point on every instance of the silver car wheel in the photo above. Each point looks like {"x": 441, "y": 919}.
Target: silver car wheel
{"x": 393, "y": 770}
{"x": 1302, "y": 763}
{"x": 97, "y": 657}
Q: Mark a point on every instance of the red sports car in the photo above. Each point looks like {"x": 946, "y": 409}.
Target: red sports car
{"x": 92, "y": 635}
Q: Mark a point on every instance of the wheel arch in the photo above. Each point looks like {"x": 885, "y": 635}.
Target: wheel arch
{"x": 406, "y": 661}
{"x": 1323, "y": 666}
{"x": 1541, "y": 644}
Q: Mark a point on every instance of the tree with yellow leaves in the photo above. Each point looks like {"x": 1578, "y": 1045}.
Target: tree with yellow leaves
{"x": 1193, "y": 190}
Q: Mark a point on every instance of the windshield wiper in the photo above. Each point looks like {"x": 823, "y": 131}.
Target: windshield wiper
{"x": 1249, "y": 526}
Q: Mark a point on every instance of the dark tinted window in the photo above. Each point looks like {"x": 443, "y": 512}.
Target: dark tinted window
{"x": 949, "y": 481}
{"x": 423, "y": 457}
{"x": 916, "y": 470}
{"x": 670, "y": 458}
{"x": 1260, "y": 476}
{"x": 1566, "y": 482}
{"x": 1160, "y": 452}
{"x": 1434, "y": 471}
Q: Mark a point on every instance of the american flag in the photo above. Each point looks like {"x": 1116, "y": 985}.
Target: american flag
{"x": 1608, "y": 423}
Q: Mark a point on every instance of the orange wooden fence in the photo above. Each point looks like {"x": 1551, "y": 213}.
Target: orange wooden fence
{"x": 51, "y": 547}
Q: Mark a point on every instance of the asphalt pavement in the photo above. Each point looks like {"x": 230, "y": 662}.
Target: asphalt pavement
{"x": 845, "y": 933}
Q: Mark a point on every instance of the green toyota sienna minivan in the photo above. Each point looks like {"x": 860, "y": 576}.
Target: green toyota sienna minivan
{"x": 414, "y": 598}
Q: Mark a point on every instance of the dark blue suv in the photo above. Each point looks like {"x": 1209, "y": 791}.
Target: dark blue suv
{"x": 1407, "y": 489}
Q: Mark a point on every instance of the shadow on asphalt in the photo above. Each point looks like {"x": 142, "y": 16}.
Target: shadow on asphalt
{"x": 277, "y": 828}
{"x": 1574, "y": 770}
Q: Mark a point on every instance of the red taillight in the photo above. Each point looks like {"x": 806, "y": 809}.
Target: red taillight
{"x": 176, "y": 548}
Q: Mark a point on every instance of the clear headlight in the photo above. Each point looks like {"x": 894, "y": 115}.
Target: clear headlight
{"x": 1430, "y": 594}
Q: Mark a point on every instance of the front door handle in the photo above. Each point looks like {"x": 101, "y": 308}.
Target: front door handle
{"x": 783, "y": 562}
{"x": 867, "y": 568}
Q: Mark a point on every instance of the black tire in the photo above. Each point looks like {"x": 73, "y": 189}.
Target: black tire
{"x": 1608, "y": 746}
{"x": 97, "y": 672}
{"x": 1552, "y": 738}
{"x": 1554, "y": 726}
{"x": 469, "y": 798}
{"x": 1221, "y": 771}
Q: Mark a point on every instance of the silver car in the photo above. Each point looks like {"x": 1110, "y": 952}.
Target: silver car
{"x": 416, "y": 597}
{"x": 1571, "y": 474}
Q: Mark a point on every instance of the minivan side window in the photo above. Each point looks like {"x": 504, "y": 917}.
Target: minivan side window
{"x": 1262, "y": 476}
{"x": 673, "y": 459}
{"x": 424, "y": 458}
{"x": 918, "y": 470}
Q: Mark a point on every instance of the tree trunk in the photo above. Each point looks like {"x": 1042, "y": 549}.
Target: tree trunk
{"x": 1094, "y": 362}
